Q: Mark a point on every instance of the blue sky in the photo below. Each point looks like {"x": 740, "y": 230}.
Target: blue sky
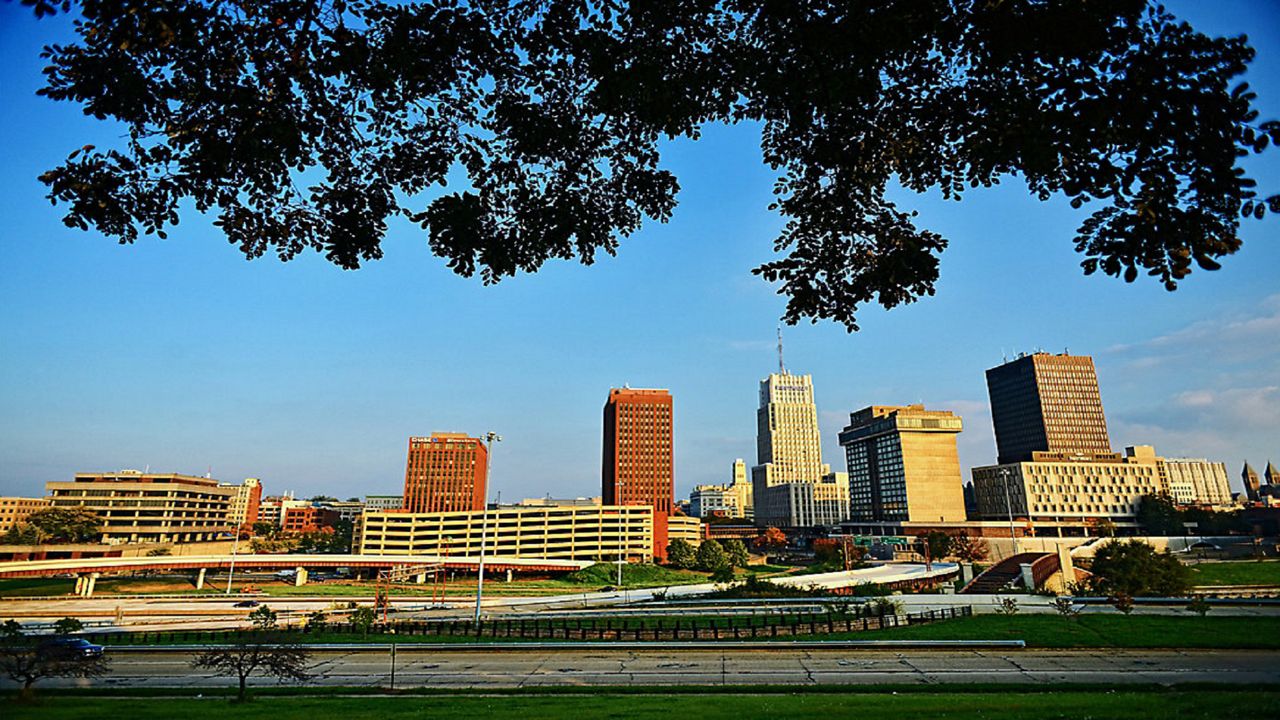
{"x": 182, "y": 356}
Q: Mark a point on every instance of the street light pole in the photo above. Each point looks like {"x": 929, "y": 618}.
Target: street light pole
{"x": 489, "y": 439}
{"x": 1008, "y": 505}
{"x": 235, "y": 546}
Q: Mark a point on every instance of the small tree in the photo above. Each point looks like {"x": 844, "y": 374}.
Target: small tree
{"x": 26, "y": 660}
{"x": 711, "y": 556}
{"x": 771, "y": 539}
{"x": 969, "y": 549}
{"x": 256, "y": 654}
{"x": 1157, "y": 515}
{"x": 67, "y": 625}
{"x": 364, "y": 617}
{"x": 723, "y": 574}
{"x": 1122, "y": 601}
{"x": 681, "y": 555}
{"x": 317, "y": 621}
{"x": 737, "y": 552}
{"x": 263, "y": 619}
{"x": 826, "y": 550}
{"x": 934, "y": 545}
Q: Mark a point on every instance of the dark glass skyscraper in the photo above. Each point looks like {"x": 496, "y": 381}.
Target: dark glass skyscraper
{"x": 1046, "y": 403}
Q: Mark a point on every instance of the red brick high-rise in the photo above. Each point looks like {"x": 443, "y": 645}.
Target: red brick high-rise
{"x": 639, "y": 465}
{"x": 445, "y": 472}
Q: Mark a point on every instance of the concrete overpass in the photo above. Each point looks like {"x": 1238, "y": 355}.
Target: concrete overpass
{"x": 87, "y": 570}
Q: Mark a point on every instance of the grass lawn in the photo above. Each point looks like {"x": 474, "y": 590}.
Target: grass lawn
{"x": 1246, "y": 572}
{"x": 1118, "y": 631}
{"x": 1099, "y": 705}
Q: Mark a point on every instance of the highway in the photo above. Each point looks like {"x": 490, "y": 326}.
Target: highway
{"x": 507, "y": 668}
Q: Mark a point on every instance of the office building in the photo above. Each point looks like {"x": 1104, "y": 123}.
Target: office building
{"x": 733, "y": 500}
{"x": 1198, "y": 481}
{"x": 245, "y": 503}
{"x": 1058, "y": 489}
{"x": 823, "y": 503}
{"x": 789, "y": 452}
{"x": 638, "y": 466}
{"x": 383, "y": 502}
{"x": 16, "y": 510}
{"x": 140, "y": 507}
{"x": 788, "y": 445}
{"x": 272, "y": 508}
{"x": 1046, "y": 403}
{"x": 903, "y": 465}
{"x": 445, "y": 472}
{"x": 309, "y": 518}
{"x": 347, "y": 510}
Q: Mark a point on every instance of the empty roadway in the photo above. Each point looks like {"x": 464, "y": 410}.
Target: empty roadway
{"x": 607, "y": 666}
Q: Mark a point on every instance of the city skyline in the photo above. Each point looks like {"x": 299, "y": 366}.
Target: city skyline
{"x": 182, "y": 356}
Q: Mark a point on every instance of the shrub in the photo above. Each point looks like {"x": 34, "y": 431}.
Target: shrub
{"x": 1122, "y": 602}
{"x": 68, "y": 625}
{"x": 1006, "y": 605}
{"x": 1199, "y": 605}
{"x": 1135, "y": 569}
{"x": 1067, "y": 608}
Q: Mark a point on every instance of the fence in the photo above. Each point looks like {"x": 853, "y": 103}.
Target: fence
{"x": 634, "y": 629}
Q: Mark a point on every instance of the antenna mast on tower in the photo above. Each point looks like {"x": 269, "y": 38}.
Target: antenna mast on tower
{"x": 782, "y": 369}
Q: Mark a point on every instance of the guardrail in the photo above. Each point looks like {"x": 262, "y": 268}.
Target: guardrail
{"x": 627, "y": 645}
{"x": 653, "y": 628}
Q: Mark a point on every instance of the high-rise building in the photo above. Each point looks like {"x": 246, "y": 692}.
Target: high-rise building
{"x": 903, "y": 465}
{"x": 445, "y": 472}
{"x": 145, "y": 507}
{"x": 1061, "y": 489}
{"x": 789, "y": 451}
{"x": 1252, "y": 483}
{"x": 1198, "y": 481}
{"x": 788, "y": 445}
{"x": 248, "y": 497}
{"x": 638, "y": 466}
{"x": 1046, "y": 403}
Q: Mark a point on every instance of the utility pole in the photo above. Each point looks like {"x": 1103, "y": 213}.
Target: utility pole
{"x": 235, "y": 545}
{"x": 489, "y": 439}
{"x": 1008, "y": 505}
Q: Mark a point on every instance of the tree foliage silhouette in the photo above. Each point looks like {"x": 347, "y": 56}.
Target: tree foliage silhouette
{"x": 515, "y": 132}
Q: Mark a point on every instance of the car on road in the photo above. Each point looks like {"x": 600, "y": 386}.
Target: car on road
{"x": 247, "y": 603}
{"x": 72, "y": 647}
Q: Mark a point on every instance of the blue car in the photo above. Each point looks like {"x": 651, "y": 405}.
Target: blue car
{"x": 72, "y": 647}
